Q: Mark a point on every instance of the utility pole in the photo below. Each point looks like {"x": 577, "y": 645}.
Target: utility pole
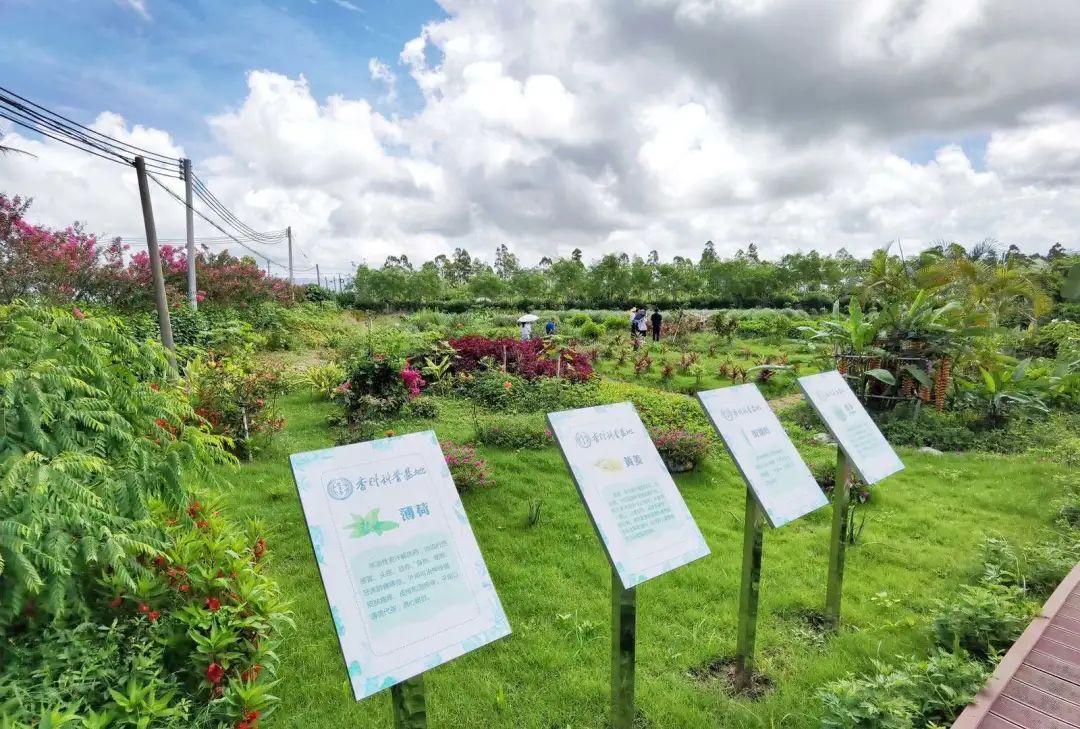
{"x": 288, "y": 233}
{"x": 318, "y": 277}
{"x": 267, "y": 266}
{"x": 193, "y": 299}
{"x": 164, "y": 322}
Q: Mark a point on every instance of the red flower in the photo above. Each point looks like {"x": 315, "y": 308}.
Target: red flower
{"x": 155, "y": 386}
{"x": 213, "y": 604}
{"x": 194, "y": 509}
{"x": 202, "y": 523}
{"x": 243, "y": 725}
{"x": 251, "y": 715}
{"x": 154, "y": 615}
{"x": 160, "y": 560}
{"x": 218, "y": 691}
{"x": 116, "y": 602}
{"x": 77, "y": 313}
{"x": 214, "y": 673}
{"x": 184, "y": 588}
{"x": 144, "y": 608}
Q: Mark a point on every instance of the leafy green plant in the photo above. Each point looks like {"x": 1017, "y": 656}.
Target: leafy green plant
{"x": 90, "y": 434}
{"x": 513, "y": 431}
{"x": 323, "y": 379}
{"x": 681, "y": 447}
{"x": 237, "y": 398}
{"x": 1002, "y": 389}
{"x": 982, "y": 620}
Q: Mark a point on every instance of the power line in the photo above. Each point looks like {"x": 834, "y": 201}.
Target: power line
{"x": 211, "y": 222}
{"x": 211, "y": 201}
{"x": 11, "y": 98}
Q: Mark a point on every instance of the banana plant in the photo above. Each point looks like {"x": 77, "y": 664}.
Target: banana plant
{"x": 1004, "y": 388}
{"x": 856, "y": 334}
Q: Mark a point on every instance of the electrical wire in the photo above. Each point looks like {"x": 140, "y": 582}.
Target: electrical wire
{"x": 210, "y": 200}
{"x": 211, "y": 222}
{"x": 11, "y": 98}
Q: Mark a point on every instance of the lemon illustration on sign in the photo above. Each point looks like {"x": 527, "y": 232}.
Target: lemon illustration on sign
{"x": 610, "y": 465}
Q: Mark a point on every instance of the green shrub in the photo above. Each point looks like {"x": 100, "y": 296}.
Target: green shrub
{"x": 916, "y": 694}
{"x": 680, "y": 447}
{"x": 513, "y": 431}
{"x": 658, "y": 409}
{"x": 616, "y": 323}
{"x": 422, "y": 408}
{"x": 944, "y": 431}
{"x": 323, "y": 379}
{"x": 879, "y": 701}
{"x": 591, "y": 331}
{"x": 237, "y": 398}
{"x": 580, "y": 318}
{"x": 90, "y": 434}
{"x": 155, "y": 637}
{"x": 982, "y": 620}
{"x": 542, "y": 395}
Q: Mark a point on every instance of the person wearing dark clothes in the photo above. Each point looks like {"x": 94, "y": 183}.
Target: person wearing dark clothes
{"x": 657, "y": 321}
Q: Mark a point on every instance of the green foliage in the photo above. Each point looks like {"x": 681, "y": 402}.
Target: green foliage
{"x": 1037, "y": 569}
{"x": 237, "y": 398}
{"x": 89, "y": 435}
{"x": 945, "y": 431}
{"x": 680, "y": 447}
{"x": 983, "y": 620}
{"x": 513, "y": 431}
{"x": 590, "y": 330}
{"x": 144, "y": 658}
{"x": 580, "y": 318}
{"x": 422, "y": 408}
{"x": 542, "y": 395}
{"x": 917, "y": 693}
{"x": 658, "y": 410}
{"x": 323, "y": 379}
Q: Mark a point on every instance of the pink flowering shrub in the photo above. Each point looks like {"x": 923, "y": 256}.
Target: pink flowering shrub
{"x": 73, "y": 265}
{"x": 468, "y": 469}
{"x": 413, "y": 382}
{"x": 684, "y": 447}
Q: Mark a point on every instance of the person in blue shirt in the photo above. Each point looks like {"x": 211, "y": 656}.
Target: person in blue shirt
{"x": 549, "y": 328}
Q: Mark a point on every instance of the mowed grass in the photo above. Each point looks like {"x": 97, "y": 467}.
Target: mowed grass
{"x": 927, "y": 524}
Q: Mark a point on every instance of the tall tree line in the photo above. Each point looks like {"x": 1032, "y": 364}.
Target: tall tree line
{"x": 617, "y": 280}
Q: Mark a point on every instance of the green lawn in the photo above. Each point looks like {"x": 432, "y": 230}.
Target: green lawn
{"x": 554, "y": 581}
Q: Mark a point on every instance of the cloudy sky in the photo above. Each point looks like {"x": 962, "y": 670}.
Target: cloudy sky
{"x": 378, "y": 127}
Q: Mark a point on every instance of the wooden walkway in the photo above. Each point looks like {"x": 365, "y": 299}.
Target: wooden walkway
{"x": 1037, "y": 683}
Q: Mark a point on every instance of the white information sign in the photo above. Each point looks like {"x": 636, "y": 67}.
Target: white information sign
{"x": 636, "y": 508}
{"x": 776, "y": 473}
{"x": 407, "y": 585}
{"x": 856, "y": 432}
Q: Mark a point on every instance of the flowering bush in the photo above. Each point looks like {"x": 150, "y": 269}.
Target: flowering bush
{"x": 197, "y": 631}
{"x": 683, "y": 447}
{"x": 531, "y": 359}
{"x": 374, "y": 389}
{"x": 236, "y": 398}
{"x": 71, "y": 264}
{"x": 468, "y": 469}
{"x": 413, "y": 381}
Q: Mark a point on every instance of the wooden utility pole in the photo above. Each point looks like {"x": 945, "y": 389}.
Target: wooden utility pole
{"x": 164, "y": 322}
{"x": 193, "y": 299}
{"x": 318, "y": 276}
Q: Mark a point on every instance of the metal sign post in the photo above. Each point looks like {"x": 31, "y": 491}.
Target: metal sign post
{"x": 841, "y": 500}
{"x": 410, "y": 709}
{"x": 748, "y": 593}
{"x": 623, "y": 641}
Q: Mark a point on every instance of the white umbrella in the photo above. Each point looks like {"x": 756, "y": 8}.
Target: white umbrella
{"x": 527, "y": 318}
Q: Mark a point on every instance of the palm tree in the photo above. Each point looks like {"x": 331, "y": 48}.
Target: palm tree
{"x": 984, "y": 284}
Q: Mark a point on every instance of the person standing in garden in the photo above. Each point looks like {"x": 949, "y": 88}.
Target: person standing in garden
{"x": 657, "y": 321}
{"x": 549, "y": 328}
{"x": 641, "y": 325}
{"x": 633, "y": 325}
{"x": 526, "y": 331}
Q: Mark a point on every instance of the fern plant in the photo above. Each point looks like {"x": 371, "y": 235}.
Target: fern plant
{"x": 90, "y": 434}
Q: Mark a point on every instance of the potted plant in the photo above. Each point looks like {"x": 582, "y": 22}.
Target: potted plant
{"x": 681, "y": 450}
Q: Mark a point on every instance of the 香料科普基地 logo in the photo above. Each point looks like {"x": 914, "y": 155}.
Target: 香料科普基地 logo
{"x": 339, "y": 488}
{"x": 583, "y": 440}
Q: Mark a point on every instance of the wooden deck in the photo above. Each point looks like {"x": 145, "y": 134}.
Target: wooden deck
{"x": 1037, "y": 683}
